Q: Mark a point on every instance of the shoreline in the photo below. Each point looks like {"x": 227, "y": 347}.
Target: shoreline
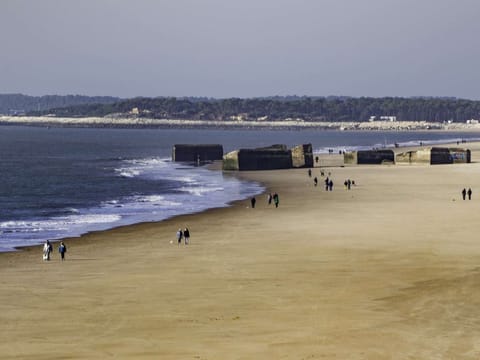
{"x": 97, "y": 233}
{"x": 120, "y": 228}
{"x": 326, "y": 161}
{"x": 97, "y": 122}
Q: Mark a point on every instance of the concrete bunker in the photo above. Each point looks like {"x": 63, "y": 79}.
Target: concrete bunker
{"x": 369, "y": 157}
{"x": 435, "y": 156}
{"x": 269, "y": 158}
{"x": 199, "y": 153}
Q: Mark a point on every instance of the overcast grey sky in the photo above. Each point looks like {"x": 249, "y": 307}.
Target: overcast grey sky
{"x": 247, "y": 48}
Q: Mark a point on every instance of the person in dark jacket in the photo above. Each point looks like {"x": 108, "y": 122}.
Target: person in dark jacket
{"x": 179, "y": 236}
{"x": 62, "y": 249}
{"x": 276, "y": 199}
{"x": 186, "y": 235}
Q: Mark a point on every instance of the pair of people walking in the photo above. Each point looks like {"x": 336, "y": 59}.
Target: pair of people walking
{"x": 465, "y": 193}
{"x": 275, "y": 198}
{"x": 183, "y": 235}
{"x": 48, "y": 248}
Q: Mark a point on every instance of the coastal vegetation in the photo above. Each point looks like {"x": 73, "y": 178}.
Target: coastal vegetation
{"x": 311, "y": 109}
{"x": 19, "y": 104}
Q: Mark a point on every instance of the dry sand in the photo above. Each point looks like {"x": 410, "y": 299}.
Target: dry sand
{"x": 387, "y": 270}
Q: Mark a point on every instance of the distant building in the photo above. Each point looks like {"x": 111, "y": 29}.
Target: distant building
{"x": 382, "y": 118}
{"x": 388, "y": 118}
{"x": 472, "y": 121}
{"x": 239, "y": 117}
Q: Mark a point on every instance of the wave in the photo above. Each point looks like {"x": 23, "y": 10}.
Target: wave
{"x": 199, "y": 191}
{"x": 57, "y": 223}
{"x": 127, "y": 173}
{"x": 141, "y": 167}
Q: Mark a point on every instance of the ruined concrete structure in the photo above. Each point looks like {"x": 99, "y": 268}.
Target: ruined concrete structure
{"x": 302, "y": 156}
{"x": 269, "y": 158}
{"x": 197, "y": 153}
{"x": 434, "y": 156}
{"x": 371, "y": 157}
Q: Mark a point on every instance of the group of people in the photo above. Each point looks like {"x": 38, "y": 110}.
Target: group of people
{"x": 348, "y": 184}
{"x": 274, "y": 198}
{"x": 183, "y": 235}
{"x": 62, "y": 248}
{"x": 48, "y": 249}
{"x": 329, "y": 182}
{"x": 270, "y": 198}
{"x": 467, "y": 192}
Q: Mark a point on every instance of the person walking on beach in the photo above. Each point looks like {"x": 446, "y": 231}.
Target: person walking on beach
{"x": 315, "y": 181}
{"x": 276, "y": 200}
{"x": 309, "y": 172}
{"x": 464, "y": 193}
{"x": 62, "y": 249}
{"x": 469, "y": 192}
{"x": 186, "y": 235}
{"x": 330, "y": 185}
{"x": 253, "y": 201}
{"x": 269, "y": 198}
{"x": 179, "y": 236}
{"x": 47, "y": 249}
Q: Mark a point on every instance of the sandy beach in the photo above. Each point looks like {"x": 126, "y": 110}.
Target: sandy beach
{"x": 387, "y": 270}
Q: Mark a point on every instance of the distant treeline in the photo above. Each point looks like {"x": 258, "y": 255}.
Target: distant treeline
{"x": 279, "y": 108}
{"x": 15, "y": 104}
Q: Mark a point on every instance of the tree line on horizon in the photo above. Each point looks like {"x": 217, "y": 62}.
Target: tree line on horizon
{"x": 328, "y": 109}
{"x": 14, "y": 104}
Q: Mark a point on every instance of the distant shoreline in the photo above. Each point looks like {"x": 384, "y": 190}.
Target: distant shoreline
{"x": 98, "y": 122}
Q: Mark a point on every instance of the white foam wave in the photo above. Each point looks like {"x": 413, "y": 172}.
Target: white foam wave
{"x": 128, "y": 173}
{"x": 200, "y": 191}
{"x": 142, "y": 167}
{"x": 58, "y": 223}
{"x": 157, "y": 200}
{"x": 154, "y": 161}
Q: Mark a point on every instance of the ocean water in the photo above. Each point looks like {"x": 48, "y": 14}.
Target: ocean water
{"x": 62, "y": 182}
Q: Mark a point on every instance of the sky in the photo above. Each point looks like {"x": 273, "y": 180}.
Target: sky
{"x": 247, "y": 48}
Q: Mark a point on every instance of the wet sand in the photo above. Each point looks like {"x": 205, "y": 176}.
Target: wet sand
{"x": 387, "y": 270}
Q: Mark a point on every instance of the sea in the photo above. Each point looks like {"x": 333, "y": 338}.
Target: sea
{"x": 65, "y": 182}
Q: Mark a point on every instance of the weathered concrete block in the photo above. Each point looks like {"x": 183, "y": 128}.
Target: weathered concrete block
{"x": 197, "y": 153}
{"x": 230, "y": 161}
{"x": 421, "y": 156}
{"x": 440, "y": 156}
{"x": 372, "y": 157}
{"x": 460, "y": 156}
{"x": 435, "y": 156}
{"x": 302, "y": 156}
{"x": 270, "y": 158}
